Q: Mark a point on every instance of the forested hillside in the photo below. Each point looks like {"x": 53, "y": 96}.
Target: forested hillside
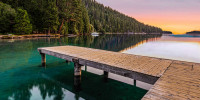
{"x": 65, "y": 17}
{"x": 44, "y": 16}
{"x": 105, "y": 19}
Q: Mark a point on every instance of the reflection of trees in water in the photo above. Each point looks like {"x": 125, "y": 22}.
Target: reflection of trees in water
{"x": 46, "y": 89}
{"x": 119, "y": 42}
{"x": 18, "y": 83}
{"x": 115, "y": 42}
{"x": 52, "y": 84}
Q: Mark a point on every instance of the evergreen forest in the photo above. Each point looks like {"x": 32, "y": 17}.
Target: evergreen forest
{"x": 79, "y": 17}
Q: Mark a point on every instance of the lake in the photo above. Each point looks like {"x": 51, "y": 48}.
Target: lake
{"x": 23, "y": 77}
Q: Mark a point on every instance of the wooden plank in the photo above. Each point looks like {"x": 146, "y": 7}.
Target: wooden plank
{"x": 118, "y": 63}
{"x": 181, "y": 81}
{"x": 125, "y": 61}
{"x": 161, "y": 67}
{"x": 177, "y": 79}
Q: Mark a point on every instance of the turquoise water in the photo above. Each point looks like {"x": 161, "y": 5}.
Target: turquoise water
{"x": 23, "y": 78}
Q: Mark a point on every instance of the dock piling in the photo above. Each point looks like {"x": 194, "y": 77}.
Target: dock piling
{"x": 67, "y": 61}
{"x": 135, "y": 82}
{"x": 43, "y": 59}
{"x": 85, "y": 68}
{"x": 77, "y": 74}
{"x": 105, "y": 74}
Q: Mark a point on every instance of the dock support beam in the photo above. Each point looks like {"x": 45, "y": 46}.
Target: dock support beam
{"x": 43, "y": 59}
{"x": 105, "y": 75}
{"x": 77, "y": 75}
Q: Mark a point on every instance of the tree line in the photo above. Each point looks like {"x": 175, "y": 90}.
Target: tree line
{"x": 105, "y": 19}
{"x": 65, "y": 17}
{"x": 44, "y": 16}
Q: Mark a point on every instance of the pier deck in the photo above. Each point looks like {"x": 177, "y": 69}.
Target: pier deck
{"x": 172, "y": 79}
{"x": 180, "y": 82}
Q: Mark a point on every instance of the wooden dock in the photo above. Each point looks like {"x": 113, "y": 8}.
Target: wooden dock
{"x": 172, "y": 79}
{"x": 181, "y": 81}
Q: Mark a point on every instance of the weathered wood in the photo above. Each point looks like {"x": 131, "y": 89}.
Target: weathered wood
{"x": 77, "y": 67}
{"x": 177, "y": 79}
{"x": 77, "y": 74}
{"x": 43, "y": 56}
{"x": 180, "y": 82}
{"x": 135, "y": 83}
{"x": 132, "y": 66}
{"x": 85, "y": 68}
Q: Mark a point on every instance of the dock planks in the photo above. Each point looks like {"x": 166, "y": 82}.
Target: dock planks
{"x": 181, "y": 81}
{"x": 173, "y": 79}
{"x": 126, "y": 61}
{"x": 128, "y": 65}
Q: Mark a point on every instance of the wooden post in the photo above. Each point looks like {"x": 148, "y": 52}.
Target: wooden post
{"x": 77, "y": 75}
{"x": 134, "y": 82}
{"x": 86, "y": 68}
{"x": 105, "y": 74}
{"x": 43, "y": 59}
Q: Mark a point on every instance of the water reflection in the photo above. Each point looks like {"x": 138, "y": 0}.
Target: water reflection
{"x": 177, "y": 48}
{"x": 150, "y": 39}
{"x": 23, "y": 78}
{"x": 115, "y": 42}
{"x": 48, "y": 84}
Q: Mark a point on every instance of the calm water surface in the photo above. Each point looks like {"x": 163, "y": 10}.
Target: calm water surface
{"x": 176, "y": 48}
{"x": 23, "y": 78}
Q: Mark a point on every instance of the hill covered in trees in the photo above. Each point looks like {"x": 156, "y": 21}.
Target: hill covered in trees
{"x": 193, "y": 33}
{"x": 65, "y": 17}
{"x": 104, "y": 19}
{"x": 44, "y": 16}
{"x": 167, "y": 32}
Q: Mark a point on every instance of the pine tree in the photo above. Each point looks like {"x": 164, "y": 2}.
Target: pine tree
{"x": 50, "y": 19}
{"x": 85, "y": 20}
{"x": 23, "y": 25}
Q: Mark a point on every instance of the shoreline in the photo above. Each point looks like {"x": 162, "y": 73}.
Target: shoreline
{"x": 33, "y": 36}
{"x": 30, "y": 36}
{"x": 135, "y": 33}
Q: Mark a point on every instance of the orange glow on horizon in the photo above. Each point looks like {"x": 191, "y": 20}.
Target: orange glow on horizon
{"x": 174, "y": 23}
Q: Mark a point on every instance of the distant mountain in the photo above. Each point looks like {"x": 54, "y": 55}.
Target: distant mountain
{"x": 193, "y": 33}
{"x": 167, "y": 32}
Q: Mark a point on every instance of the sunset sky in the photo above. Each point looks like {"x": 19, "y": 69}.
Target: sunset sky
{"x": 178, "y": 16}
